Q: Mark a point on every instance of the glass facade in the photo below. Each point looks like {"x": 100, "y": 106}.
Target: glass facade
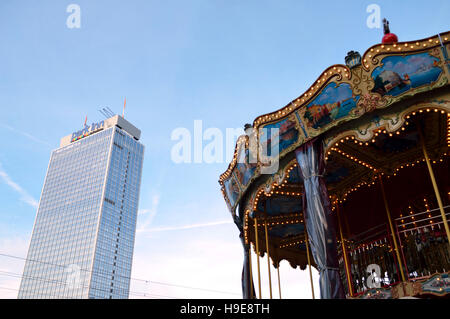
{"x": 83, "y": 236}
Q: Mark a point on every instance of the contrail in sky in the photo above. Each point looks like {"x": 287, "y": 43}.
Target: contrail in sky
{"x": 25, "y": 197}
{"x": 199, "y": 225}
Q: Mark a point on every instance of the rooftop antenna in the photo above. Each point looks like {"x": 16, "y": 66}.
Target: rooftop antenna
{"x": 103, "y": 113}
{"x": 107, "y": 112}
{"x": 110, "y": 111}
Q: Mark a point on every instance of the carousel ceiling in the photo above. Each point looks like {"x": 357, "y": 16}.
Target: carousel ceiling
{"x": 352, "y": 162}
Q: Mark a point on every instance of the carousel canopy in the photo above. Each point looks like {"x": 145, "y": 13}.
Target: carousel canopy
{"x": 389, "y": 75}
{"x": 368, "y": 114}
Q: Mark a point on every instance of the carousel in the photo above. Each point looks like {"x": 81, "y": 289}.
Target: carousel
{"x": 352, "y": 177}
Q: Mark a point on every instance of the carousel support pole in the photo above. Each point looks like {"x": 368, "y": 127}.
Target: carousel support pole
{"x": 391, "y": 227}
{"x": 279, "y": 282}
{"x": 401, "y": 249}
{"x": 257, "y": 256}
{"x": 309, "y": 264}
{"x": 268, "y": 258}
{"x": 344, "y": 252}
{"x": 433, "y": 180}
{"x": 250, "y": 269}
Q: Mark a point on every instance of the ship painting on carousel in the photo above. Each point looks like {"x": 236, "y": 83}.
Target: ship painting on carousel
{"x": 245, "y": 168}
{"x": 287, "y": 133}
{"x": 232, "y": 190}
{"x": 401, "y": 73}
{"x": 333, "y": 103}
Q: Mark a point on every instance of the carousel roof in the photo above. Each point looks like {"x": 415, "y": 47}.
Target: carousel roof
{"x": 376, "y": 86}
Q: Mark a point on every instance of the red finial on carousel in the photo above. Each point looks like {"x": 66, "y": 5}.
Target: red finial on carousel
{"x": 388, "y": 36}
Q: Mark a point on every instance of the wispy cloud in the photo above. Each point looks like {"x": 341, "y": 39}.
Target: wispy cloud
{"x": 183, "y": 227}
{"x": 25, "y": 134}
{"x": 24, "y": 196}
{"x": 150, "y": 214}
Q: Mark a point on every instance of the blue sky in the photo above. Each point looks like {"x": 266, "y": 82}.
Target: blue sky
{"x": 222, "y": 62}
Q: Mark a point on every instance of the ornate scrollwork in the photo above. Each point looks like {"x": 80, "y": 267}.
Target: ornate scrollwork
{"x": 361, "y": 77}
{"x": 369, "y": 102}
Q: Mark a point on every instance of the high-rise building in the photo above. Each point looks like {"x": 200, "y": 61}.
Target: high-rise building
{"x": 83, "y": 236}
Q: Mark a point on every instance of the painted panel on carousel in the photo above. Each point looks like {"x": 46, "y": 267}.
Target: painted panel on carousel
{"x": 232, "y": 190}
{"x": 288, "y": 135}
{"x": 438, "y": 284}
{"x": 335, "y": 102}
{"x": 244, "y": 169}
{"x": 280, "y": 205}
{"x": 445, "y": 51}
{"x": 377, "y": 294}
{"x": 399, "y": 74}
